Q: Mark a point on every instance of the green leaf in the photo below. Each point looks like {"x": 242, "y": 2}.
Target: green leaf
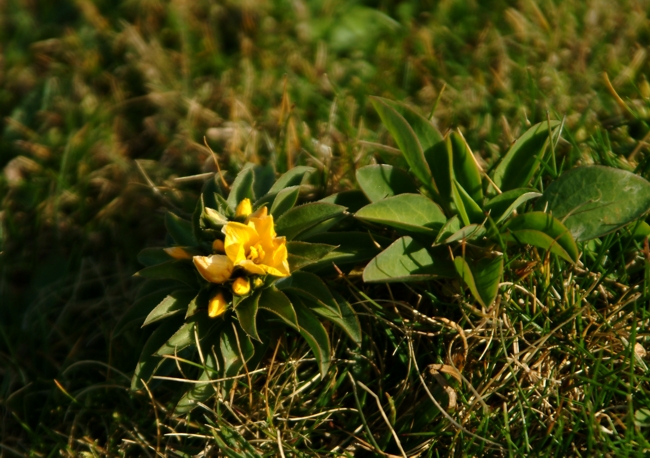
{"x": 426, "y": 132}
{"x": 246, "y": 312}
{"x": 452, "y": 226}
{"x": 407, "y": 260}
{"x": 277, "y": 303}
{"x": 302, "y": 254}
{"x": 353, "y": 200}
{"x": 149, "y": 362}
{"x": 322, "y": 227}
{"x": 502, "y": 206}
{"x": 242, "y": 188}
{"x": 293, "y": 177}
{"x": 184, "y": 336}
{"x": 264, "y": 177}
{"x": 299, "y": 219}
{"x": 407, "y": 141}
{"x": 468, "y": 210}
{"x": 141, "y": 308}
{"x": 170, "y": 305}
{"x": 482, "y": 278}
{"x": 411, "y": 212}
{"x": 439, "y": 159}
{"x": 181, "y": 270}
{"x": 284, "y": 201}
{"x": 523, "y": 158}
{"x": 381, "y": 181}
{"x": 544, "y": 231}
{"x": 153, "y": 256}
{"x": 350, "y": 322}
{"x": 593, "y": 201}
{"x": 180, "y": 229}
{"x": 466, "y": 171}
{"x": 353, "y": 247}
{"x": 200, "y": 392}
{"x": 314, "y": 333}
{"x": 312, "y": 287}
{"x": 471, "y": 232}
{"x": 230, "y": 344}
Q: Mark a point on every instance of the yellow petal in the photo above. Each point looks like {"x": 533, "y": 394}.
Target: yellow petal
{"x": 244, "y": 208}
{"x": 241, "y": 286}
{"x": 251, "y": 267}
{"x": 218, "y": 247}
{"x": 216, "y": 268}
{"x": 177, "y": 252}
{"x": 239, "y": 237}
{"x": 217, "y": 305}
{"x": 259, "y": 213}
{"x": 264, "y": 227}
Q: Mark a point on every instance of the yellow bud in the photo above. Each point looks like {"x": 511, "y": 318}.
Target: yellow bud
{"x": 244, "y": 208}
{"x": 217, "y": 246}
{"x": 258, "y": 283}
{"x": 217, "y": 305}
{"x": 177, "y": 252}
{"x": 241, "y": 286}
{"x": 215, "y": 268}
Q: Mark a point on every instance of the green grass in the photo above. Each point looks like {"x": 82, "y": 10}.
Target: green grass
{"x": 105, "y": 109}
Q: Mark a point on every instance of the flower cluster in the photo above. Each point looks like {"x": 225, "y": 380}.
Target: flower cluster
{"x": 249, "y": 249}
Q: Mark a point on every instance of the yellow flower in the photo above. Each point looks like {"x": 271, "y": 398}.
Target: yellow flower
{"x": 256, "y": 247}
{"x": 177, "y": 252}
{"x": 216, "y": 268}
{"x": 244, "y": 208}
{"x": 217, "y": 305}
{"x": 241, "y": 286}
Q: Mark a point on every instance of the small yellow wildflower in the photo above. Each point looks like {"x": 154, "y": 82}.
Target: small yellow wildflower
{"x": 244, "y": 208}
{"x": 177, "y": 252}
{"x": 256, "y": 247}
{"x": 217, "y": 305}
{"x": 216, "y": 268}
{"x": 241, "y": 286}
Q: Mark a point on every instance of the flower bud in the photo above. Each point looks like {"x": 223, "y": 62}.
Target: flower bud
{"x": 241, "y": 286}
{"x": 258, "y": 282}
{"x": 177, "y": 252}
{"x": 244, "y": 208}
{"x": 215, "y": 218}
{"x": 216, "y": 268}
{"x": 217, "y": 305}
{"x": 217, "y": 246}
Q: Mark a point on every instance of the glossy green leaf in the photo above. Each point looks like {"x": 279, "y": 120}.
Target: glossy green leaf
{"x": 170, "y": 305}
{"x": 352, "y": 200}
{"x": 182, "y": 271}
{"x": 523, "y": 158}
{"x": 466, "y": 171}
{"x": 180, "y": 229}
{"x": 502, "y": 206}
{"x": 482, "y": 278}
{"x": 293, "y": 177}
{"x": 406, "y": 140}
{"x": 246, "y": 312}
{"x": 316, "y": 336}
{"x": 381, "y": 181}
{"x": 278, "y": 303}
{"x": 302, "y": 254}
{"x": 468, "y": 210}
{"x": 407, "y": 260}
{"x": 300, "y": 219}
{"x": 593, "y": 201}
{"x": 242, "y": 188}
{"x": 411, "y": 212}
{"x": 149, "y": 362}
{"x": 527, "y": 228}
{"x": 284, "y": 201}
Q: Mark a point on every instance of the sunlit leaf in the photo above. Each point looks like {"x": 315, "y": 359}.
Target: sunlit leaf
{"x": 410, "y": 212}
{"x": 381, "y": 181}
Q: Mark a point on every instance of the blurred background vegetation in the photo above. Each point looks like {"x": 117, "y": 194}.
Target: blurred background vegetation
{"x": 104, "y": 107}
